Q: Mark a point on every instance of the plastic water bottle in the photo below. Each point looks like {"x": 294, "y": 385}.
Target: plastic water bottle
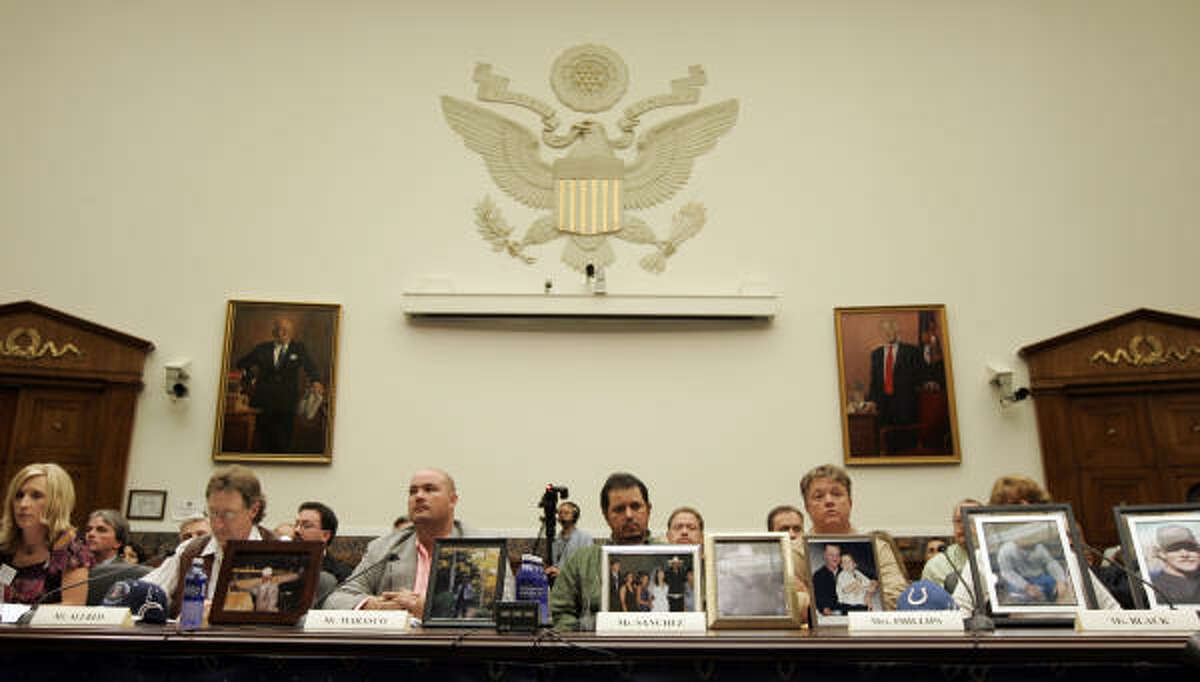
{"x": 191, "y": 614}
{"x": 532, "y": 585}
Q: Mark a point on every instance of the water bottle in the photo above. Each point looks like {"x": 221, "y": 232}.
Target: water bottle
{"x": 191, "y": 614}
{"x": 532, "y": 585}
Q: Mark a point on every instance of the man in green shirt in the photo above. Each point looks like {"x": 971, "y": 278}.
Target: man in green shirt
{"x": 575, "y": 598}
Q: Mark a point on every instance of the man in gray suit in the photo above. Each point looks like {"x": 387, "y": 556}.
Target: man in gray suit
{"x": 380, "y": 582}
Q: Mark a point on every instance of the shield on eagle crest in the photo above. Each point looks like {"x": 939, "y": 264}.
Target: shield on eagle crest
{"x": 591, "y": 192}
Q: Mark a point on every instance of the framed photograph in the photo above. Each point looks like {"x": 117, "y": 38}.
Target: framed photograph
{"x": 651, "y": 578}
{"x": 466, "y": 579}
{"x": 266, "y": 582}
{"x": 146, "y": 505}
{"x": 1161, "y": 544}
{"x": 1022, "y": 563}
{"x": 750, "y": 581}
{"x": 277, "y": 383}
{"x": 845, "y": 577}
{"x": 896, "y": 385}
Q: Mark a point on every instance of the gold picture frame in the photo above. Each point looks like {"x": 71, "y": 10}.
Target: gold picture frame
{"x": 275, "y": 401}
{"x": 750, "y": 581}
{"x": 905, "y": 415}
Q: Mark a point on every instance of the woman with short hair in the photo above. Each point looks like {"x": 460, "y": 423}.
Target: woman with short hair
{"x": 38, "y": 540}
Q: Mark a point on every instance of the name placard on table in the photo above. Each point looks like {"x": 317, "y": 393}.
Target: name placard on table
{"x": 1145, "y": 620}
{"x": 905, "y": 622}
{"x": 651, "y": 623}
{"x": 81, "y": 616}
{"x": 349, "y": 619}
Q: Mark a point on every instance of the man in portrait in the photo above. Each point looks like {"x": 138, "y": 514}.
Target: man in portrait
{"x": 825, "y": 582}
{"x": 897, "y": 371}
{"x": 1176, "y": 547}
{"x": 272, "y": 371}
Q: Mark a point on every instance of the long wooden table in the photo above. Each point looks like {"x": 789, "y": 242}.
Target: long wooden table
{"x": 280, "y": 653}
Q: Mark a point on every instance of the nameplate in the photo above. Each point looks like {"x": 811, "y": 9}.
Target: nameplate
{"x": 876, "y": 622}
{"x": 390, "y": 620}
{"x": 9, "y": 613}
{"x": 1155, "y": 620}
{"x": 651, "y": 623}
{"x": 82, "y": 616}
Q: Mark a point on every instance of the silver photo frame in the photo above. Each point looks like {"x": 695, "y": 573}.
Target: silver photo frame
{"x": 624, "y": 568}
{"x": 1023, "y": 565}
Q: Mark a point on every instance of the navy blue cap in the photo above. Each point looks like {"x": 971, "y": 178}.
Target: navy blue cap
{"x": 147, "y": 601}
{"x": 925, "y": 595}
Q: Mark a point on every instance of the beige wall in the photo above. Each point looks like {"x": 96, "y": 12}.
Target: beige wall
{"x": 1031, "y": 165}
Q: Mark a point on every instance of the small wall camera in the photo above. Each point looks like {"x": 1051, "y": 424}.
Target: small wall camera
{"x": 177, "y": 374}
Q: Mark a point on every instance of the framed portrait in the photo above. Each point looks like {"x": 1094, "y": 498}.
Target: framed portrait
{"x": 1022, "y": 564}
{"x": 1161, "y": 545}
{"x": 750, "y": 581}
{"x": 896, "y": 385}
{"x": 844, "y": 573}
{"x": 651, "y": 578}
{"x": 466, "y": 579}
{"x": 266, "y": 582}
{"x": 278, "y": 383}
{"x": 146, "y": 505}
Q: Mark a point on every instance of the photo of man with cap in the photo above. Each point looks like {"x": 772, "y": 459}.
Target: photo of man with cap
{"x": 1177, "y": 549}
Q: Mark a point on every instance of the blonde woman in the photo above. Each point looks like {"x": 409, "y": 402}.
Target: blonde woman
{"x": 38, "y": 540}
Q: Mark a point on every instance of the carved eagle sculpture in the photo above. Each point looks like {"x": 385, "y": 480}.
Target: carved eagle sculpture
{"x": 589, "y": 190}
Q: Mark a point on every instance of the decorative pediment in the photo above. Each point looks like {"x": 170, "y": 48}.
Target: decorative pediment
{"x": 1142, "y": 345}
{"x": 35, "y": 339}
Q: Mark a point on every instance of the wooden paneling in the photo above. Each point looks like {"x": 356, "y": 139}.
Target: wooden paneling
{"x": 1118, "y": 407}
{"x": 68, "y": 390}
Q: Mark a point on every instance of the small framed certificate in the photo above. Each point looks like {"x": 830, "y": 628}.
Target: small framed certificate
{"x": 146, "y": 505}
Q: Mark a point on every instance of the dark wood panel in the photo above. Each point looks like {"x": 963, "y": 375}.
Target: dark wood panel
{"x": 1176, "y": 419}
{"x": 1110, "y": 431}
{"x": 1103, "y": 490}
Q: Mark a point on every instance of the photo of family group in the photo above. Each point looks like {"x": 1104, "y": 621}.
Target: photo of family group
{"x": 651, "y": 578}
{"x": 1028, "y": 565}
{"x": 845, "y": 577}
{"x": 465, "y": 581}
{"x": 1168, "y": 555}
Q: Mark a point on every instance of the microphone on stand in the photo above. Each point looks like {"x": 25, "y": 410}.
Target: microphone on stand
{"x": 979, "y": 621}
{"x": 93, "y": 577}
{"x": 1162, "y": 595}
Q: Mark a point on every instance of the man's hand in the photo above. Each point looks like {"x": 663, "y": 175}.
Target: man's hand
{"x": 404, "y": 599}
{"x": 551, "y": 571}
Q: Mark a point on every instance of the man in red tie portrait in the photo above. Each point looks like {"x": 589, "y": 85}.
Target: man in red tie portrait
{"x": 897, "y": 371}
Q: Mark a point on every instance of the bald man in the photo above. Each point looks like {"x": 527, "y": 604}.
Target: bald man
{"x": 273, "y": 368}
{"x": 401, "y": 583}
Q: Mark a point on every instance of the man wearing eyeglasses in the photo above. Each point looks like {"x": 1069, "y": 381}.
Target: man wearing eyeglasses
{"x": 236, "y": 506}
{"x": 316, "y": 522}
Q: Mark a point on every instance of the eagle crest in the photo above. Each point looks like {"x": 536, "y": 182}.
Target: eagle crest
{"x": 590, "y": 192}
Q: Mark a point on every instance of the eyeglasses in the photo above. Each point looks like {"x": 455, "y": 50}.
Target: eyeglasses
{"x": 306, "y": 525}
{"x": 224, "y": 516}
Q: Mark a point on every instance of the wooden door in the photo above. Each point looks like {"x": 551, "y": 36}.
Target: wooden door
{"x": 62, "y": 425}
{"x": 68, "y": 390}
{"x": 1118, "y": 407}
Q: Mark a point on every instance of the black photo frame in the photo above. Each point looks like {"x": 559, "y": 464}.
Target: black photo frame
{"x": 1141, "y": 529}
{"x": 293, "y": 568}
{"x": 466, "y": 580}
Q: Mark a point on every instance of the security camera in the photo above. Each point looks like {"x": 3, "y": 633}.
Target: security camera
{"x": 177, "y": 374}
